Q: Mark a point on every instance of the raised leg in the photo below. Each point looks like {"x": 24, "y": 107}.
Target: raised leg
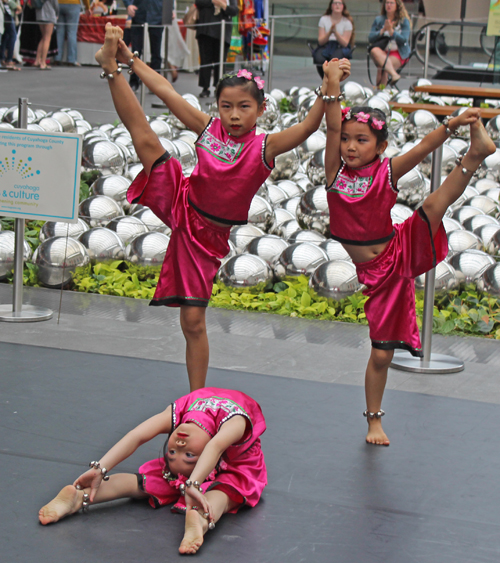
{"x": 451, "y": 189}
{"x": 194, "y": 328}
{"x": 70, "y": 500}
{"x": 196, "y": 525}
{"x": 145, "y": 140}
{"x": 375, "y": 380}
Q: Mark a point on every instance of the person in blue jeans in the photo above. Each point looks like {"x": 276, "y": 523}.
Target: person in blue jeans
{"x": 67, "y": 27}
{"x": 8, "y": 39}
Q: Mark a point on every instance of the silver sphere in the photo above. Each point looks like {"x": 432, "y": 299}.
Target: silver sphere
{"x": 446, "y": 278}
{"x": 354, "y": 93}
{"x": 303, "y": 182}
{"x": 396, "y": 121}
{"x": 411, "y": 188}
{"x": 276, "y": 195}
{"x": 491, "y": 164}
{"x": 57, "y": 259}
{"x": 148, "y": 249}
{"x": 60, "y": 229}
{"x": 493, "y": 193}
{"x": 316, "y": 168}
{"x": 242, "y": 235}
{"x": 335, "y": 279}
{"x": 51, "y": 125}
{"x": 232, "y": 252}
{"x": 493, "y": 127}
{"x": 114, "y": 187}
{"x": 420, "y": 123}
{"x": 105, "y": 156}
{"x": 291, "y": 188}
{"x": 376, "y": 102}
{"x": 486, "y": 184}
{"x": 307, "y": 236}
{"x": 245, "y": 270}
{"x": 299, "y": 259}
{"x": 463, "y": 213}
{"x": 134, "y": 171}
{"x": 261, "y": 213}
{"x": 312, "y": 144}
{"x": 103, "y": 245}
{"x": 313, "y": 212}
{"x": 127, "y": 227}
{"x": 66, "y": 120}
{"x": 170, "y": 147}
{"x": 271, "y": 116}
{"x": 187, "y": 155}
{"x": 152, "y": 222}
{"x": 97, "y": 210}
{"x": 277, "y": 94}
{"x": 281, "y": 216}
{"x": 161, "y": 128}
{"x": 11, "y": 115}
{"x": 285, "y": 165}
{"x": 287, "y": 229}
{"x": 291, "y": 206}
{"x": 490, "y": 235}
{"x": 489, "y": 280}
{"x": 487, "y": 205}
{"x": 268, "y": 247}
{"x": 470, "y": 264}
{"x": 473, "y": 223}
{"x": 399, "y": 213}
{"x": 82, "y": 126}
{"x": 7, "y": 252}
{"x": 463, "y": 240}
{"x": 451, "y": 225}
{"x": 334, "y": 250}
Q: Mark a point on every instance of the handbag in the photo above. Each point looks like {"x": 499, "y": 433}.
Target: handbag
{"x": 381, "y": 43}
{"x": 191, "y": 18}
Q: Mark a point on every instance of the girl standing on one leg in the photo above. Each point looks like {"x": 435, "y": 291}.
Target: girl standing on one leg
{"x": 233, "y": 163}
{"x": 362, "y": 189}
{"x": 213, "y": 464}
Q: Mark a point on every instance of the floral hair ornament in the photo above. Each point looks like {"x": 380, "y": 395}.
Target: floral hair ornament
{"x": 362, "y": 117}
{"x": 259, "y": 82}
{"x": 244, "y": 73}
{"x": 377, "y": 123}
{"x": 346, "y": 114}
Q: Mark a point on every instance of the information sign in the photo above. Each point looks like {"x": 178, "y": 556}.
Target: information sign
{"x": 40, "y": 175}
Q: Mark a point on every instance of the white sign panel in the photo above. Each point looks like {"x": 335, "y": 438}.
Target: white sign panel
{"x": 40, "y": 175}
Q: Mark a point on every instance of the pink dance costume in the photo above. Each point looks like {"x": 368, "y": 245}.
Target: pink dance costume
{"x": 241, "y": 472}
{"x": 360, "y": 203}
{"x": 229, "y": 172}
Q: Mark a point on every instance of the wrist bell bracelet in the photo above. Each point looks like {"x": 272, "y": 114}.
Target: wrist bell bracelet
{"x": 110, "y": 75}
{"x": 372, "y": 415}
{"x": 464, "y": 170}
{"x": 338, "y": 98}
{"x": 131, "y": 62}
{"x": 103, "y": 470}
{"x": 194, "y": 484}
{"x": 446, "y": 123}
{"x": 318, "y": 92}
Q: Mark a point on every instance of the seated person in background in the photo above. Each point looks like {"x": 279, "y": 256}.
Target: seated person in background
{"x": 105, "y": 8}
{"x": 394, "y": 25}
{"x": 335, "y": 35}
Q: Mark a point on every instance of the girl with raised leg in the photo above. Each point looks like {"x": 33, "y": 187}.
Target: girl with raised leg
{"x": 233, "y": 162}
{"x": 362, "y": 189}
{"x": 213, "y": 464}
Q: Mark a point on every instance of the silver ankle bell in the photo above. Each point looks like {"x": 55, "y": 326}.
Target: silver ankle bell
{"x": 372, "y": 415}
{"x": 86, "y": 502}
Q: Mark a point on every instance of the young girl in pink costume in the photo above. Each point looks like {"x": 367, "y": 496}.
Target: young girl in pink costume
{"x": 233, "y": 163}
{"x": 362, "y": 189}
{"x": 213, "y": 464}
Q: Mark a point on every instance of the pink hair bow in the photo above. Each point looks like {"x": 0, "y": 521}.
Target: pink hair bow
{"x": 377, "y": 124}
{"x": 259, "y": 82}
{"x": 244, "y": 73}
{"x": 362, "y": 117}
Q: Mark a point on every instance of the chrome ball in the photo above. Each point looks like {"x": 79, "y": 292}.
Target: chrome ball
{"x": 51, "y": 125}
{"x": 66, "y": 120}
{"x": 276, "y": 195}
{"x": 281, "y": 216}
{"x": 491, "y": 164}
{"x": 335, "y": 279}
{"x": 290, "y": 188}
{"x": 316, "y": 168}
{"x": 82, "y": 126}
{"x": 451, "y": 225}
{"x": 285, "y": 165}
{"x": 152, "y": 222}
{"x": 127, "y": 227}
{"x": 134, "y": 171}
{"x": 419, "y": 124}
{"x": 103, "y": 245}
{"x": 60, "y": 229}
{"x": 105, "y": 156}
{"x": 287, "y": 229}
{"x": 306, "y": 236}
{"x": 271, "y": 116}
{"x": 57, "y": 259}
{"x": 493, "y": 193}
{"x": 490, "y": 235}
{"x": 242, "y": 235}
{"x": 232, "y": 252}
{"x": 493, "y": 127}
{"x": 489, "y": 280}
{"x": 313, "y": 212}
{"x": 291, "y": 206}
{"x": 97, "y": 210}
{"x": 397, "y": 119}
{"x": 473, "y": 223}
{"x": 411, "y": 188}
{"x": 446, "y": 278}
{"x": 299, "y": 259}
{"x": 7, "y": 252}
{"x": 11, "y": 115}
{"x": 187, "y": 155}
{"x": 463, "y": 240}
{"x": 148, "y": 249}
{"x": 261, "y": 214}
{"x": 376, "y": 102}
{"x": 277, "y": 94}
{"x": 487, "y": 205}
{"x": 268, "y": 247}
{"x": 114, "y": 187}
{"x": 245, "y": 270}
{"x": 161, "y": 128}
{"x": 314, "y": 143}
{"x": 470, "y": 264}
{"x": 334, "y": 250}
{"x": 354, "y": 93}
{"x": 399, "y": 213}
{"x": 463, "y": 213}
{"x": 170, "y": 147}
{"x": 484, "y": 185}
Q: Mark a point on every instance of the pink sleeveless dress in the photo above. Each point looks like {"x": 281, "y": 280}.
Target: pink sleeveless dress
{"x": 360, "y": 203}
{"x": 241, "y": 474}
{"x": 229, "y": 172}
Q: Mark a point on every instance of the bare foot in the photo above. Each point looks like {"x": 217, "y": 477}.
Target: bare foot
{"x": 376, "y": 435}
{"x": 68, "y": 501}
{"x": 195, "y": 528}
{"x": 107, "y": 53}
{"x": 481, "y": 145}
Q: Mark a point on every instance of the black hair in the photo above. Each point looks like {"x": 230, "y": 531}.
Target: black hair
{"x": 232, "y": 80}
{"x": 374, "y": 113}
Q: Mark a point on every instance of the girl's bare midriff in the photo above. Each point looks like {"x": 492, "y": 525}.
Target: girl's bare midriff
{"x": 364, "y": 253}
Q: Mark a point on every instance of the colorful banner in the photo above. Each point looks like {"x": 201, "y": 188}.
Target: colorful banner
{"x": 494, "y": 19}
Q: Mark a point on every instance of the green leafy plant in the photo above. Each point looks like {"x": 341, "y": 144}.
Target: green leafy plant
{"x": 285, "y": 105}
{"x": 87, "y": 178}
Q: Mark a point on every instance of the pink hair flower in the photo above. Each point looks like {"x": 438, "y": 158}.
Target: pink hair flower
{"x": 346, "y": 113}
{"x": 260, "y": 83}
{"x": 377, "y": 124}
{"x": 244, "y": 73}
{"x": 362, "y": 117}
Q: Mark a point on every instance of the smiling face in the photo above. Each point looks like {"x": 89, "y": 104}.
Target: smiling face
{"x": 358, "y": 144}
{"x": 184, "y": 448}
{"x": 238, "y": 110}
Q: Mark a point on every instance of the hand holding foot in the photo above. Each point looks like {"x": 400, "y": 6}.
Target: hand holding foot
{"x": 106, "y": 56}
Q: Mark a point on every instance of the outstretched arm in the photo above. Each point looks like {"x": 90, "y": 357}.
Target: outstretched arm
{"x": 278, "y": 143}
{"x": 333, "y": 123}
{"x": 161, "y": 423}
{"x": 404, "y": 163}
{"x": 192, "y": 118}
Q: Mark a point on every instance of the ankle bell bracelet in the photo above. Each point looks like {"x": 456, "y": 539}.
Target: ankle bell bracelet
{"x": 464, "y": 170}
{"x": 110, "y": 75}
{"x": 86, "y": 502}
{"x": 103, "y": 470}
{"x": 372, "y": 415}
{"x": 131, "y": 62}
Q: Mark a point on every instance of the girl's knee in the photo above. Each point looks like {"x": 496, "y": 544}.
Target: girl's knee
{"x": 381, "y": 359}
{"x": 193, "y": 321}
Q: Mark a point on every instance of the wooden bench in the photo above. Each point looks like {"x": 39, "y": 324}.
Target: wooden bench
{"x": 486, "y": 113}
{"x": 477, "y": 94}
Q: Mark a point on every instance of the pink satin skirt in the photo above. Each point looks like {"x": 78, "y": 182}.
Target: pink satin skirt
{"x": 243, "y": 479}
{"x": 390, "y": 309}
{"x": 196, "y": 245}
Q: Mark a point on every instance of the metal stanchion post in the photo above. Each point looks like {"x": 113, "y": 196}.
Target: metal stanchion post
{"x": 145, "y": 38}
{"x": 430, "y": 363}
{"x": 271, "y": 55}
{"x": 16, "y": 313}
{"x": 427, "y": 49}
{"x": 222, "y": 47}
